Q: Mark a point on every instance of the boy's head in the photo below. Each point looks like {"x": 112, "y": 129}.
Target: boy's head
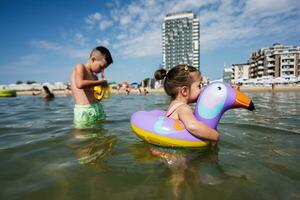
{"x": 101, "y": 57}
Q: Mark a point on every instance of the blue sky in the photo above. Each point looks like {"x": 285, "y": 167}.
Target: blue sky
{"x": 43, "y": 40}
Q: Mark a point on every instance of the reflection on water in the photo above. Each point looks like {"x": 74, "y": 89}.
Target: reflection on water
{"x": 186, "y": 168}
{"x": 44, "y": 156}
{"x": 91, "y": 145}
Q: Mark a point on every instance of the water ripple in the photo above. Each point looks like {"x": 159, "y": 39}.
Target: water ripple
{"x": 257, "y": 150}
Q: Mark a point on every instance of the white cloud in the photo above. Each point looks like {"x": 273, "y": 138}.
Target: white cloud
{"x": 105, "y": 24}
{"x": 240, "y": 23}
{"x": 190, "y": 4}
{"x": 141, "y": 25}
{"x": 103, "y": 42}
{"x": 139, "y": 46}
{"x": 80, "y": 39}
{"x": 125, "y": 20}
{"x": 269, "y": 7}
{"x": 121, "y": 36}
{"x": 21, "y": 63}
{"x": 60, "y": 48}
{"x": 222, "y": 23}
{"x": 93, "y": 18}
{"x": 113, "y": 4}
{"x": 97, "y": 20}
{"x": 45, "y": 45}
{"x": 28, "y": 60}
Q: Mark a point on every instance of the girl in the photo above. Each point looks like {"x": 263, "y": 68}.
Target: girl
{"x": 183, "y": 83}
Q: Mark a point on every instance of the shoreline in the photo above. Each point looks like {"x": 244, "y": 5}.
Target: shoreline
{"x": 69, "y": 93}
{"x": 277, "y": 88}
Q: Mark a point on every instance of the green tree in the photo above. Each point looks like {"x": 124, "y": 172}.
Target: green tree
{"x": 30, "y": 82}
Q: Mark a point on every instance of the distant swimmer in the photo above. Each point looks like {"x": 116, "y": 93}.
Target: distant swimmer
{"x": 46, "y": 93}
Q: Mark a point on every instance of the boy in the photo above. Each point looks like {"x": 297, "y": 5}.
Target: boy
{"x": 83, "y": 78}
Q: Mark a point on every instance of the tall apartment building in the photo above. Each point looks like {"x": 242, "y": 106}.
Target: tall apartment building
{"x": 180, "y": 40}
{"x": 240, "y": 71}
{"x": 276, "y": 61}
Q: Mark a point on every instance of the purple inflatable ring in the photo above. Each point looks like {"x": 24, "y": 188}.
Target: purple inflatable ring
{"x": 216, "y": 98}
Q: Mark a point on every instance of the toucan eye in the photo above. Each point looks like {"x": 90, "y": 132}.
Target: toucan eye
{"x": 219, "y": 88}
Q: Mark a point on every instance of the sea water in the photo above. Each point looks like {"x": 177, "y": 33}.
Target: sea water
{"x": 44, "y": 157}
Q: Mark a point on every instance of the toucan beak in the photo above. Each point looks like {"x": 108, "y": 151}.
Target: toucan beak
{"x": 243, "y": 101}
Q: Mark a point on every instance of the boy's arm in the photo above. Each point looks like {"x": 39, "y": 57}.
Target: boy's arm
{"x": 195, "y": 127}
{"x": 81, "y": 83}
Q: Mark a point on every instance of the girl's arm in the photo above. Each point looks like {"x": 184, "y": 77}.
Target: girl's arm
{"x": 81, "y": 83}
{"x": 195, "y": 127}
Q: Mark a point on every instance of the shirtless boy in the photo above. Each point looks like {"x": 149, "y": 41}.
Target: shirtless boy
{"x": 83, "y": 78}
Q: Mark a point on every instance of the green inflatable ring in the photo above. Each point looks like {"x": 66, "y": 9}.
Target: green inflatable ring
{"x": 8, "y": 93}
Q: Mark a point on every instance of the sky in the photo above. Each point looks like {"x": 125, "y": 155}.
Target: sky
{"x": 42, "y": 40}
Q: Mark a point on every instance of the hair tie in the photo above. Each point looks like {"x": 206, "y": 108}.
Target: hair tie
{"x": 164, "y": 74}
{"x": 186, "y": 68}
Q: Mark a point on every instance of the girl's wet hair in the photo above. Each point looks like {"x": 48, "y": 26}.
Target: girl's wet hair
{"x": 178, "y": 76}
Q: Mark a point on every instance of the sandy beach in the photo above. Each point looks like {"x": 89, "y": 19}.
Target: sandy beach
{"x": 56, "y": 93}
{"x": 69, "y": 93}
{"x": 277, "y": 88}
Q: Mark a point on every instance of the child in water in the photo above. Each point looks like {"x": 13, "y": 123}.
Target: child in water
{"x": 183, "y": 83}
{"x": 87, "y": 108}
{"x": 46, "y": 93}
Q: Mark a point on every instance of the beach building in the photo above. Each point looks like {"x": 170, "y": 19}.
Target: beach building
{"x": 180, "y": 40}
{"x": 272, "y": 62}
{"x": 227, "y": 75}
{"x": 240, "y": 71}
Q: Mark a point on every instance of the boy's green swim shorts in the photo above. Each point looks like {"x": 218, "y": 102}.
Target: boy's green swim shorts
{"x": 87, "y": 114}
